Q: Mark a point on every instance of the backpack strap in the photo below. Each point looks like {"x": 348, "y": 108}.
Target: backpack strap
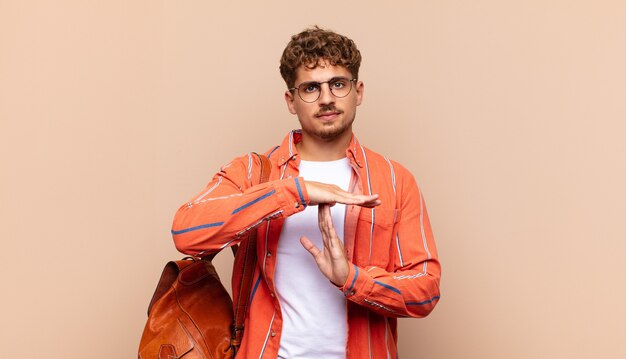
{"x": 248, "y": 251}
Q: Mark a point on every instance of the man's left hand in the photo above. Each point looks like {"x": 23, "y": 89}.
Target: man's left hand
{"x": 332, "y": 261}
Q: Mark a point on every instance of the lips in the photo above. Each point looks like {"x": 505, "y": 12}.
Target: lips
{"x": 327, "y": 114}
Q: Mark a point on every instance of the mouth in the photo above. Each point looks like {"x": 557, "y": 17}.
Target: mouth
{"x": 328, "y": 115}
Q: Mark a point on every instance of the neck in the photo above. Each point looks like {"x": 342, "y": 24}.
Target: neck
{"x": 317, "y": 149}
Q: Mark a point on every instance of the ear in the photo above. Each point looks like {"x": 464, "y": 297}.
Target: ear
{"x": 360, "y": 89}
{"x": 289, "y": 99}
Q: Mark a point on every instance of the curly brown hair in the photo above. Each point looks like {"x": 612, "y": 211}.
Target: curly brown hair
{"x": 314, "y": 45}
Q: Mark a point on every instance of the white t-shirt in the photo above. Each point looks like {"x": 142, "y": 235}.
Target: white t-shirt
{"x": 313, "y": 309}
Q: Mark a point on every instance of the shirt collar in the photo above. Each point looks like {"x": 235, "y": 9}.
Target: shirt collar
{"x": 288, "y": 150}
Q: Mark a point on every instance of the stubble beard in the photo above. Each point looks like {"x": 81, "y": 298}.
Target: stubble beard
{"x": 329, "y": 132}
{"x": 333, "y": 131}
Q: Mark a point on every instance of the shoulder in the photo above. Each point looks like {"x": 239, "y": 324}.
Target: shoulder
{"x": 248, "y": 163}
{"x": 251, "y": 159}
{"x": 271, "y": 151}
{"x": 389, "y": 171}
{"x": 380, "y": 162}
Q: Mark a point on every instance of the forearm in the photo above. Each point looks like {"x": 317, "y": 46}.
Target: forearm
{"x": 229, "y": 207}
{"x": 408, "y": 293}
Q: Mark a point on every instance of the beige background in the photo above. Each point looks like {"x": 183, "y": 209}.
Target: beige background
{"x": 509, "y": 113}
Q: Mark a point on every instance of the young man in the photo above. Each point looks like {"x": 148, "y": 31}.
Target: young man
{"x": 344, "y": 243}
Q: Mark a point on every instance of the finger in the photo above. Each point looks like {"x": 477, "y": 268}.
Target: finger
{"x": 329, "y": 219}
{"x": 328, "y": 226}
{"x": 310, "y": 247}
{"x": 322, "y": 216}
{"x": 358, "y": 199}
{"x": 335, "y": 245}
{"x": 371, "y": 204}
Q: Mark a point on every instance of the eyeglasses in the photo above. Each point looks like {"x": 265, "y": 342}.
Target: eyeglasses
{"x": 310, "y": 91}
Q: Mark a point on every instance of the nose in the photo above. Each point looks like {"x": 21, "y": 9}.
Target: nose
{"x": 326, "y": 97}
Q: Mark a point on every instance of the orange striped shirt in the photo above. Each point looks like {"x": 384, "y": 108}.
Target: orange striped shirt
{"x": 395, "y": 271}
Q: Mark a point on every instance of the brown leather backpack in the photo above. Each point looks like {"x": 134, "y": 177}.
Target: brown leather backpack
{"x": 191, "y": 314}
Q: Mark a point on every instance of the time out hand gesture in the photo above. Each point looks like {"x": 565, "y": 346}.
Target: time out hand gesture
{"x": 328, "y": 193}
{"x": 332, "y": 260}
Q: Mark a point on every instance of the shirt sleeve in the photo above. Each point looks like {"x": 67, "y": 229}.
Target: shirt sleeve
{"x": 231, "y": 205}
{"x": 411, "y": 287}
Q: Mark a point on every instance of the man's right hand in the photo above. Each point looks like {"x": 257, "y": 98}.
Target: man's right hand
{"x": 331, "y": 194}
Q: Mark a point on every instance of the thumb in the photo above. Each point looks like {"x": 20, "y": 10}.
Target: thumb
{"x": 309, "y": 246}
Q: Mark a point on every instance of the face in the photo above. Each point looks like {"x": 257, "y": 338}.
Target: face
{"x": 329, "y": 118}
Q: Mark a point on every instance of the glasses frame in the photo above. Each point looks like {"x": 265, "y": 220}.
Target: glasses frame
{"x": 319, "y": 93}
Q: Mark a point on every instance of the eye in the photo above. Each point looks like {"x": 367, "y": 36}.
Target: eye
{"x": 310, "y": 87}
{"x": 339, "y": 83}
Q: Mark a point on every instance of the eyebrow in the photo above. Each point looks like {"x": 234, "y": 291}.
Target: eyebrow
{"x": 331, "y": 80}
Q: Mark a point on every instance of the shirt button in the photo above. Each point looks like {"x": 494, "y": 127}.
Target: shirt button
{"x": 352, "y": 293}
{"x": 297, "y": 204}
{"x": 269, "y": 254}
{"x": 272, "y": 295}
{"x": 273, "y": 334}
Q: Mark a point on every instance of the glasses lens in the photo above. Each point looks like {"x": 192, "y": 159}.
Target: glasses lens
{"x": 309, "y": 91}
{"x": 340, "y": 87}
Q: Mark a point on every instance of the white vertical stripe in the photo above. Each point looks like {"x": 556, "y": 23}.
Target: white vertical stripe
{"x": 267, "y": 234}
{"x": 367, "y": 171}
{"x": 399, "y": 251}
{"x": 267, "y": 231}
{"x": 422, "y": 225}
{"x": 267, "y": 336}
{"x": 425, "y": 267}
{"x": 249, "y": 167}
{"x": 369, "y": 189}
{"x": 291, "y": 143}
{"x": 393, "y": 183}
{"x": 371, "y": 236}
